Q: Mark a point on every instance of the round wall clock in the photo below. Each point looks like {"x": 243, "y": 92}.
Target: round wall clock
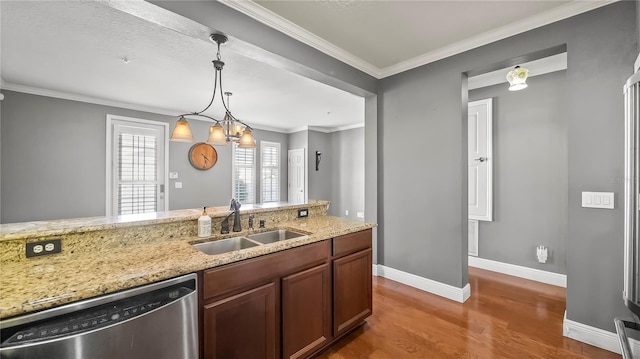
{"x": 203, "y": 156}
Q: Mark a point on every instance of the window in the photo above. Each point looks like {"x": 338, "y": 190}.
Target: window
{"x": 136, "y": 178}
{"x": 244, "y": 174}
{"x": 270, "y": 167}
{"x": 136, "y": 166}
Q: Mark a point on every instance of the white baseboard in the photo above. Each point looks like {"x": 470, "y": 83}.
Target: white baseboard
{"x": 374, "y": 271}
{"x": 595, "y": 336}
{"x": 537, "y": 275}
{"x": 444, "y": 290}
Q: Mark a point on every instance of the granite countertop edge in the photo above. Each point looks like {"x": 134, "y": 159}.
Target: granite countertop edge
{"x": 66, "y": 282}
{"x": 35, "y": 229}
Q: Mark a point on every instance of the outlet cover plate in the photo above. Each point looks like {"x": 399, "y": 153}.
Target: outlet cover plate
{"x": 43, "y": 248}
{"x": 304, "y": 212}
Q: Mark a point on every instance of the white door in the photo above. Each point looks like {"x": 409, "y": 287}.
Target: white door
{"x": 480, "y": 160}
{"x": 297, "y": 176}
{"x": 136, "y": 166}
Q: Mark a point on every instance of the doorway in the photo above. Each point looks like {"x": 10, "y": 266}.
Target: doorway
{"x": 137, "y": 156}
{"x": 297, "y": 176}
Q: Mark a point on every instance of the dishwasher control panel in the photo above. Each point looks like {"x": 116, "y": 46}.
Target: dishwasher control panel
{"x": 92, "y": 318}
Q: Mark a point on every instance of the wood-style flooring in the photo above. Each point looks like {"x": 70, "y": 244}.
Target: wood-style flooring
{"x": 506, "y": 317}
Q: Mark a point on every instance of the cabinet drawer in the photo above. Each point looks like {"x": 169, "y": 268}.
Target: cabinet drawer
{"x": 350, "y": 243}
{"x": 234, "y": 276}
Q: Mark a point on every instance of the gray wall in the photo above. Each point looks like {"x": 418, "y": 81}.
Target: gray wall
{"x": 347, "y": 153}
{"x": 529, "y": 173}
{"x": 53, "y": 160}
{"x": 298, "y": 140}
{"x": 340, "y": 178}
{"x": 422, "y": 113}
{"x": 320, "y": 180}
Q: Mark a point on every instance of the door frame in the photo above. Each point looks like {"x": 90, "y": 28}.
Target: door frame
{"x": 109, "y": 158}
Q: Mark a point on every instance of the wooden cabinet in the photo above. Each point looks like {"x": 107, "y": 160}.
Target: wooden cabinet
{"x": 351, "y": 290}
{"x": 306, "y": 311}
{"x": 352, "y": 297}
{"x": 289, "y": 304}
{"x": 242, "y": 326}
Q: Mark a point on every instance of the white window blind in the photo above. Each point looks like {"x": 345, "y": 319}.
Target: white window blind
{"x": 137, "y": 158}
{"x": 270, "y": 166}
{"x": 244, "y": 174}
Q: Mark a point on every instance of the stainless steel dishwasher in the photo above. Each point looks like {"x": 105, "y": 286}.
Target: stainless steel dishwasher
{"x": 156, "y": 321}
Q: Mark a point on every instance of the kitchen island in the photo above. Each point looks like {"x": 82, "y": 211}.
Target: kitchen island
{"x": 107, "y": 254}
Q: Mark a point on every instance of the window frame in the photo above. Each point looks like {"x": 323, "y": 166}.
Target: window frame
{"x": 278, "y": 145}
{"x": 233, "y": 173}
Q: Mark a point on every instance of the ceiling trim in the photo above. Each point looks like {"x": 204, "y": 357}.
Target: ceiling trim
{"x": 288, "y": 28}
{"x": 279, "y": 23}
{"x": 125, "y": 105}
{"x": 82, "y": 98}
{"x": 562, "y": 12}
{"x": 326, "y": 129}
{"x": 348, "y": 127}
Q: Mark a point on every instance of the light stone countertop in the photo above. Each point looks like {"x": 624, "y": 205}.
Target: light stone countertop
{"x": 47, "y": 282}
{"x": 27, "y": 230}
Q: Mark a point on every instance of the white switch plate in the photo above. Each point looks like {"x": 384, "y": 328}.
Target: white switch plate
{"x": 173, "y": 175}
{"x": 360, "y": 214}
{"x": 597, "y": 200}
{"x": 178, "y": 184}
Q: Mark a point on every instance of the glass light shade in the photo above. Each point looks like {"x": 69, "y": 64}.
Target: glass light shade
{"x": 517, "y": 78}
{"x": 247, "y": 140}
{"x": 182, "y": 131}
{"x": 216, "y": 135}
{"x": 236, "y": 129}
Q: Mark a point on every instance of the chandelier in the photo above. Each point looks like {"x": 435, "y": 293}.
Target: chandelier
{"x": 227, "y": 130}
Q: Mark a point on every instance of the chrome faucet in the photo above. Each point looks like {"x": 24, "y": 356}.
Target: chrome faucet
{"x": 234, "y": 206}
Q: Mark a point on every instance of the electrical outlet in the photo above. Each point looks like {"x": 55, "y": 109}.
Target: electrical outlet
{"x": 43, "y": 248}
{"x": 303, "y": 213}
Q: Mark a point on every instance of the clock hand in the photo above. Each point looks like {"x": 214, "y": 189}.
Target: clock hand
{"x": 205, "y": 157}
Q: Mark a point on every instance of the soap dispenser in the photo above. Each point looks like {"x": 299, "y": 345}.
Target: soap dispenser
{"x": 204, "y": 224}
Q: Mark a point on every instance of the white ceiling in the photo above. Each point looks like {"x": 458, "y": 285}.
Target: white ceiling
{"x": 386, "y": 37}
{"x": 74, "y": 50}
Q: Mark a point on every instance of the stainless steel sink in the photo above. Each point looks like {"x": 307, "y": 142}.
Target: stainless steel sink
{"x": 225, "y": 245}
{"x": 275, "y": 236}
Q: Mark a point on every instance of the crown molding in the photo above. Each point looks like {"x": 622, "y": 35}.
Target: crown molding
{"x": 271, "y": 129}
{"x": 348, "y": 127}
{"x": 285, "y": 26}
{"x": 98, "y": 101}
{"x": 562, "y": 12}
{"x": 279, "y": 23}
{"x": 82, "y": 98}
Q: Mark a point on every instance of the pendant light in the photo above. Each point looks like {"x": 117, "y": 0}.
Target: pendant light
{"x": 227, "y": 130}
{"x": 517, "y": 78}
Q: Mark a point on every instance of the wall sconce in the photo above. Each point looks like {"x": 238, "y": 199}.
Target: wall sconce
{"x": 318, "y": 158}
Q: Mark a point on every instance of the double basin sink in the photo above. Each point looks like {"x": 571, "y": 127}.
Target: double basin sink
{"x": 227, "y": 245}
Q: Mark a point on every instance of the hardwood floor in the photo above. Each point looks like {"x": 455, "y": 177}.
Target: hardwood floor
{"x": 506, "y": 317}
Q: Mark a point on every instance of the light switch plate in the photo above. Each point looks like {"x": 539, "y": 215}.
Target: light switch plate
{"x": 178, "y": 184}
{"x": 598, "y": 200}
{"x": 173, "y": 175}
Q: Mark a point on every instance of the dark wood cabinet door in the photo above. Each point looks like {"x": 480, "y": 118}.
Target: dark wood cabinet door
{"x": 242, "y": 326}
{"x": 351, "y": 290}
{"x": 306, "y": 311}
